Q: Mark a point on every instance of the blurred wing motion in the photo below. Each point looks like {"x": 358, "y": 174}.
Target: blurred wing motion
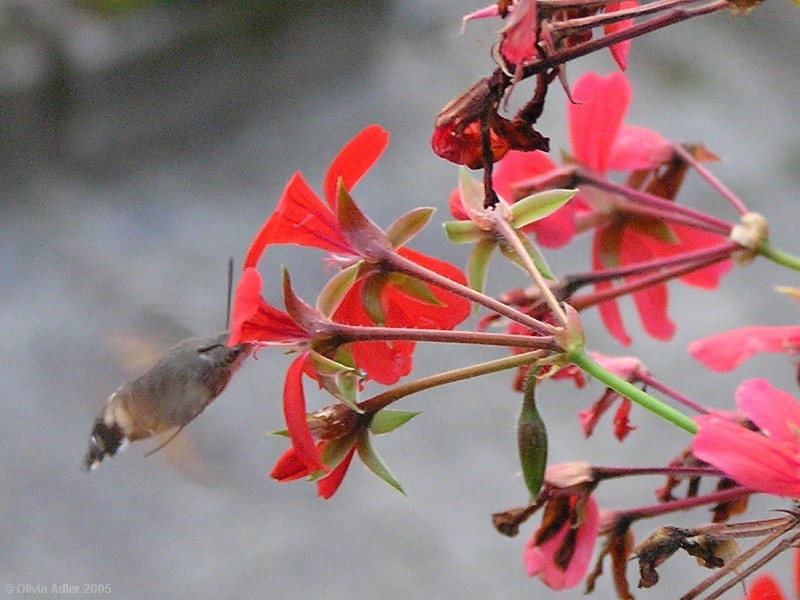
{"x": 167, "y": 397}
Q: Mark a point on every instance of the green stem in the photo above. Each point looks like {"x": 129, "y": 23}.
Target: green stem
{"x": 780, "y": 257}
{"x": 579, "y": 358}
{"x": 384, "y": 399}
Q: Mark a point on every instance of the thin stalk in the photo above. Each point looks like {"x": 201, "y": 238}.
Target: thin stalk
{"x": 675, "y": 16}
{"x": 399, "y": 263}
{"x": 386, "y": 398}
{"x": 510, "y": 235}
{"x": 356, "y": 333}
{"x": 580, "y": 358}
{"x": 656, "y": 206}
{"x": 733, "y": 564}
{"x": 569, "y": 26}
{"x": 780, "y": 257}
{"x": 715, "y": 183}
{"x": 587, "y": 300}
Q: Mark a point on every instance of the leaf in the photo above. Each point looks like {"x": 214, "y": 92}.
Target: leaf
{"x": 407, "y": 226}
{"x": 386, "y": 421}
{"x": 463, "y": 232}
{"x": 478, "y": 264}
{"x": 538, "y": 206}
{"x": 336, "y": 289}
{"x": 373, "y": 462}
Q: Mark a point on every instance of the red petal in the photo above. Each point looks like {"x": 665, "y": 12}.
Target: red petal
{"x": 416, "y": 313}
{"x": 692, "y": 239}
{"x": 620, "y": 50}
{"x": 327, "y": 486}
{"x": 622, "y": 426}
{"x": 354, "y": 160}
{"x": 513, "y": 171}
{"x": 595, "y": 118}
{"x": 638, "y": 148}
{"x": 609, "y": 311}
{"x": 748, "y": 457}
{"x": 764, "y": 587}
{"x": 289, "y": 467}
{"x": 294, "y": 411}
{"x": 384, "y": 362}
{"x": 726, "y": 351}
{"x": 253, "y": 320}
{"x": 302, "y": 219}
{"x": 776, "y": 412}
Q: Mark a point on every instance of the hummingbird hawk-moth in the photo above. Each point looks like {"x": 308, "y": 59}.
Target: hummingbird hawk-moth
{"x": 167, "y": 397}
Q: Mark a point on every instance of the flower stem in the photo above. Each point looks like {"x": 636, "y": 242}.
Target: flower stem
{"x": 358, "y": 333}
{"x": 780, "y": 257}
{"x": 409, "y": 267}
{"x": 384, "y": 399}
{"x": 510, "y": 234}
{"x": 658, "y": 207}
{"x": 580, "y": 358}
{"x": 720, "y": 187}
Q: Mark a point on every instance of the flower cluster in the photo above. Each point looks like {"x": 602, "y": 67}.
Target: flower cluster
{"x": 618, "y": 183}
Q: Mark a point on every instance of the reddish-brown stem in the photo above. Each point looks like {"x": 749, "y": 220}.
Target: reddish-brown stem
{"x": 630, "y": 287}
{"x": 720, "y": 187}
{"x": 403, "y": 265}
{"x": 680, "y": 505}
{"x": 356, "y": 333}
{"x": 677, "y": 15}
{"x": 656, "y": 206}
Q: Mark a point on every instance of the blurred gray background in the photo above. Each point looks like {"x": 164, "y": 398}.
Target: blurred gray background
{"x": 139, "y": 149}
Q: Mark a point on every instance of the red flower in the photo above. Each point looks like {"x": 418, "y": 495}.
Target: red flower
{"x": 560, "y": 550}
{"x": 726, "y": 351}
{"x": 254, "y": 320}
{"x": 290, "y": 467}
{"x": 767, "y": 460}
{"x": 301, "y": 218}
{"x": 601, "y": 142}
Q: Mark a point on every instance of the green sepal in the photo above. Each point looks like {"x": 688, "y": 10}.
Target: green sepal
{"x": 336, "y": 289}
{"x": 532, "y": 439}
{"x": 413, "y": 287}
{"x": 656, "y": 229}
{"x": 538, "y": 206}
{"x": 335, "y": 450}
{"x": 373, "y": 462}
{"x": 533, "y": 252}
{"x": 472, "y": 193}
{"x": 386, "y": 420}
{"x": 337, "y": 379}
{"x": 280, "y": 432}
{"x": 478, "y": 264}
{"x": 371, "y": 298}
{"x": 463, "y": 232}
{"x": 407, "y": 226}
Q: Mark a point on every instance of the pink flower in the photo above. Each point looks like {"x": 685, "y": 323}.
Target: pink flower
{"x": 726, "y": 351}
{"x": 767, "y": 460}
{"x": 560, "y": 550}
